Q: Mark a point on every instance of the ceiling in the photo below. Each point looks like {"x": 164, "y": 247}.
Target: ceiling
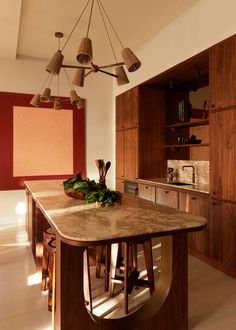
{"x": 27, "y": 27}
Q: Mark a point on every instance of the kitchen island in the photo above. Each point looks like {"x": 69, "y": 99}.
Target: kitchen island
{"x": 79, "y": 225}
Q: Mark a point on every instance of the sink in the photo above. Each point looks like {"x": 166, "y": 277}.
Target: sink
{"x": 181, "y": 183}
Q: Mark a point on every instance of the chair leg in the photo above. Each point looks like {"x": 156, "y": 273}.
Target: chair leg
{"x": 107, "y": 265}
{"x": 98, "y": 260}
{"x": 87, "y": 281}
{"x": 45, "y": 265}
{"x": 126, "y": 277}
{"x": 113, "y": 262}
{"x": 147, "y": 249}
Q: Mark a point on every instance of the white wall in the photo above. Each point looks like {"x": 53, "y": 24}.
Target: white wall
{"x": 27, "y": 76}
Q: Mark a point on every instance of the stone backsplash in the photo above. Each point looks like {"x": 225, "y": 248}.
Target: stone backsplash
{"x": 201, "y": 170}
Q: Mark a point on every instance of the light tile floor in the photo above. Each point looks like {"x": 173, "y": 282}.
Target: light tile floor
{"x": 212, "y": 294}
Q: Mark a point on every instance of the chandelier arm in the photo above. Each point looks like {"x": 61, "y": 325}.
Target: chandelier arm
{"x": 90, "y": 16}
{"x": 108, "y": 35}
{"x": 75, "y": 25}
{"x": 88, "y": 73}
{"x": 111, "y": 65}
{"x": 109, "y": 73}
{"x": 122, "y": 46}
{"x": 75, "y": 66}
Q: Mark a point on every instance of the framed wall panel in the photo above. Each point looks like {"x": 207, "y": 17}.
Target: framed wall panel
{"x": 39, "y": 143}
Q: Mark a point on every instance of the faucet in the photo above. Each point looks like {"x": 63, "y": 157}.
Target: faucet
{"x": 193, "y": 174}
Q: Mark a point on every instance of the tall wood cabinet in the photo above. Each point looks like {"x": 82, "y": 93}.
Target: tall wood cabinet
{"x": 139, "y": 134}
{"x": 222, "y": 75}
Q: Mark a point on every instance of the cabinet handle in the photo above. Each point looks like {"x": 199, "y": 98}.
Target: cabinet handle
{"x": 193, "y": 198}
{"x": 215, "y": 203}
{"x": 166, "y": 192}
{"x": 146, "y": 187}
{"x": 213, "y": 105}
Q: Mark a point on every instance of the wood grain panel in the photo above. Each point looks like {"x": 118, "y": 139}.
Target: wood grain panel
{"x": 223, "y": 235}
{"x": 127, "y": 109}
{"x": 167, "y": 197}
{"x": 131, "y": 154}
{"x": 147, "y": 192}
{"x": 222, "y": 74}
{"x": 223, "y": 155}
{"x": 198, "y": 242}
{"x": 120, "y": 154}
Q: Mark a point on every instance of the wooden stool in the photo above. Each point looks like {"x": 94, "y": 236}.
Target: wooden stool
{"x": 48, "y": 235}
{"x": 131, "y": 274}
{"x": 103, "y": 258}
{"x": 51, "y": 275}
{"x": 52, "y": 278}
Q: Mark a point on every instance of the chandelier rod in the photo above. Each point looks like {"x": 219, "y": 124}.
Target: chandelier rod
{"x": 75, "y": 25}
{"x": 90, "y": 17}
{"x": 111, "y": 24}
{"x": 108, "y": 35}
{"x": 88, "y": 67}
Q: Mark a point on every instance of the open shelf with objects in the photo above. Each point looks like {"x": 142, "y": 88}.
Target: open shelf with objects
{"x": 190, "y": 145}
{"x": 200, "y": 122}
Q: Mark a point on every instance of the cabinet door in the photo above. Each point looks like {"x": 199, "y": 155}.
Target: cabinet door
{"x": 222, "y": 74}
{"x": 167, "y": 197}
{"x": 147, "y": 192}
{"x": 120, "y": 155}
{"x": 223, "y": 155}
{"x": 223, "y": 235}
{"x": 120, "y": 185}
{"x": 197, "y": 205}
{"x": 127, "y": 109}
{"x": 131, "y": 154}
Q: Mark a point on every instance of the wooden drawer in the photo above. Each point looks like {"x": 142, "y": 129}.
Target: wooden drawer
{"x": 167, "y": 197}
{"x": 147, "y": 192}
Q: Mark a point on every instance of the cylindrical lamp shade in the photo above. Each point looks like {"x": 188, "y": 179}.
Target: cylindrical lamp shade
{"x": 122, "y": 78}
{"x": 85, "y": 52}
{"x": 74, "y": 97}
{"x": 57, "y": 104}
{"x": 45, "y": 96}
{"x": 80, "y": 104}
{"x": 55, "y": 63}
{"x": 35, "y": 100}
{"x": 78, "y": 79}
{"x": 132, "y": 63}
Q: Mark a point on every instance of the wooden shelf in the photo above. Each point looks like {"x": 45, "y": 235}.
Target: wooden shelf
{"x": 189, "y": 124}
{"x": 187, "y": 145}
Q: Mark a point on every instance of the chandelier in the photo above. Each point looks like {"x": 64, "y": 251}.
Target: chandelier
{"x": 86, "y": 62}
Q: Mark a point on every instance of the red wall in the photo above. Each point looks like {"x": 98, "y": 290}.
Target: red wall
{"x": 7, "y": 101}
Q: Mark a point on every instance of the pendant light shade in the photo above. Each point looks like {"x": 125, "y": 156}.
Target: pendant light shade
{"x": 57, "y": 104}
{"x": 132, "y": 63}
{"x": 74, "y": 97}
{"x": 85, "y": 52}
{"x": 79, "y": 77}
{"x": 45, "y": 96}
{"x": 35, "y": 100}
{"x": 55, "y": 63}
{"x": 80, "y": 104}
{"x": 122, "y": 78}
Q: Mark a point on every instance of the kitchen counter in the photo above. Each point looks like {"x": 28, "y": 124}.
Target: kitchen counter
{"x": 79, "y": 225}
{"x": 198, "y": 188}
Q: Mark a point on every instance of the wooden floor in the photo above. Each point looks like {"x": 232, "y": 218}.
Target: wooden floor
{"x": 212, "y": 294}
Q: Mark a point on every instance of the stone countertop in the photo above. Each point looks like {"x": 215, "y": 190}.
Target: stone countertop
{"x": 201, "y": 188}
{"x": 87, "y": 224}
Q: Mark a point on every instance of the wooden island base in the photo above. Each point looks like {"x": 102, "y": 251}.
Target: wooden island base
{"x": 79, "y": 226}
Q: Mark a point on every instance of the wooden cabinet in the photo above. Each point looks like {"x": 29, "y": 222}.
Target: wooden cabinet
{"x": 139, "y": 134}
{"x": 223, "y": 235}
{"x": 127, "y": 109}
{"x": 222, "y": 74}
{"x": 167, "y": 197}
{"x": 147, "y": 192}
{"x": 198, "y": 242}
{"x": 223, "y": 155}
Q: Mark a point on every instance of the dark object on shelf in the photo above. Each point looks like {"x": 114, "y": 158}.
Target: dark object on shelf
{"x": 170, "y": 174}
{"x": 184, "y": 111}
{"x": 180, "y": 139}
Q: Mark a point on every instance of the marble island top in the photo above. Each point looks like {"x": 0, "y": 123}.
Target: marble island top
{"x": 87, "y": 224}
